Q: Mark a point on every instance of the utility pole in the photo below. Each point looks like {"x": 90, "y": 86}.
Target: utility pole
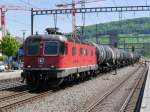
{"x": 32, "y": 21}
{"x": 3, "y": 23}
{"x": 124, "y": 43}
{"x": 83, "y": 16}
{"x": 97, "y": 35}
{"x": 73, "y": 19}
{"x": 23, "y": 35}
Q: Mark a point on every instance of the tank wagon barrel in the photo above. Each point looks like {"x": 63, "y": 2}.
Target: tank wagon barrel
{"x": 110, "y": 56}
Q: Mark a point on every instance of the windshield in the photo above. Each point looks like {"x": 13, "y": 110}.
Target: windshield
{"x": 51, "y": 48}
{"x": 33, "y": 49}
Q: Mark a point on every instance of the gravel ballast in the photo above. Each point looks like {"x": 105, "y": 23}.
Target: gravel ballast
{"x": 77, "y": 97}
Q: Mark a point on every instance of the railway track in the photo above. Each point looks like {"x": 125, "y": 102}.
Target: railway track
{"x": 10, "y": 83}
{"x": 8, "y": 80}
{"x": 21, "y": 98}
{"x": 11, "y": 91}
{"x": 98, "y": 105}
{"x": 13, "y": 100}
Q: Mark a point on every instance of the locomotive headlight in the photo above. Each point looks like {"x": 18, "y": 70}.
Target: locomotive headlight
{"x": 29, "y": 66}
{"x": 52, "y": 66}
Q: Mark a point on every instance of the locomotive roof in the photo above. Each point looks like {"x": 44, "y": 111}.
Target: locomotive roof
{"x": 48, "y": 37}
{"x": 56, "y": 37}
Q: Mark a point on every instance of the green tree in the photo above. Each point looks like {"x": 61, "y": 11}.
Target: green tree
{"x": 9, "y": 45}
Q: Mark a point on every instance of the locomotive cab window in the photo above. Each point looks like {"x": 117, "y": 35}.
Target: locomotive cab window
{"x": 51, "y": 48}
{"x": 32, "y": 47}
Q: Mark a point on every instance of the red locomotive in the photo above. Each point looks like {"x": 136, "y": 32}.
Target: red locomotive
{"x": 53, "y": 58}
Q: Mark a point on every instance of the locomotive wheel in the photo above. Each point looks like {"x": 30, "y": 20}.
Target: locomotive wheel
{"x": 30, "y": 84}
{"x": 54, "y": 83}
{"x": 41, "y": 84}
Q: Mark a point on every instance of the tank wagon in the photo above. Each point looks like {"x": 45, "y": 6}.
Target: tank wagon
{"x": 51, "y": 59}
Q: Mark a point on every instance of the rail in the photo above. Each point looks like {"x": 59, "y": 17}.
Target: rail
{"x": 110, "y": 91}
{"x": 124, "y": 106}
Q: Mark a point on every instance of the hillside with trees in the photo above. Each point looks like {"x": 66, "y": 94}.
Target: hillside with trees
{"x": 129, "y": 26}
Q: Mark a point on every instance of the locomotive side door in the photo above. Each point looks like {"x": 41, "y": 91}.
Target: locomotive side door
{"x": 74, "y": 55}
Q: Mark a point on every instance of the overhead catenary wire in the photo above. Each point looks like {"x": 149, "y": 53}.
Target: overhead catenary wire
{"x": 78, "y": 3}
{"x": 126, "y": 2}
{"x": 4, "y": 1}
{"x": 90, "y": 1}
{"x": 21, "y": 23}
{"x": 29, "y": 4}
{"x": 114, "y": 2}
{"x": 82, "y": 2}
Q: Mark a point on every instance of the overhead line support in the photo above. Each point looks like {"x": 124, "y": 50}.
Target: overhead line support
{"x": 91, "y": 10}
{"x": 86, "y": 10}
{"x": 32, "y": 21}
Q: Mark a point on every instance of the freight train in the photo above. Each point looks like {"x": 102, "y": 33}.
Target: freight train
{"x": 51, "y": 59}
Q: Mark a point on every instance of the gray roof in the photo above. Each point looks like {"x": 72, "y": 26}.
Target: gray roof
{"x": 49, "y": 37}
